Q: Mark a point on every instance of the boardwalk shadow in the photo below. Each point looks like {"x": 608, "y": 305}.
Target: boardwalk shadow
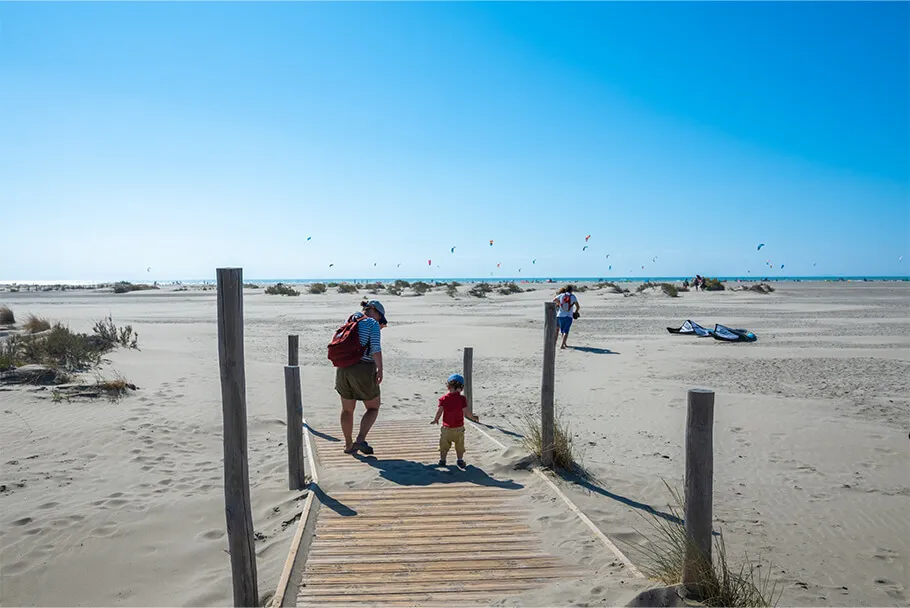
{"x": 591, "y": 349}
{"x": 589, "y": 485}
{"x": 320, "y": 434}
{"x": 410, "y": 473}
{"x": 501, "y": 430}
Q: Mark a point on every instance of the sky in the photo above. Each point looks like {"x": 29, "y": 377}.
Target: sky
{"x": 158, "y": 141}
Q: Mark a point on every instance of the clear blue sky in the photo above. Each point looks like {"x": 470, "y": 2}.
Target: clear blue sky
{"x": 190, "y": 136}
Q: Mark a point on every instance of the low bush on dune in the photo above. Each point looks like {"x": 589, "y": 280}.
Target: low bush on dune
{"x": 34, "y": 325}
{"x": 60, "y": 348}
{"x": 761, "y": 288}
{"x": 126, "y": 287}
{"x": 315, "y": 288}
{"x": 332, "y": 285}
{"x": 347, "y": 288}
{"x": 421, "y": 288}
{"x": 682, "y": 288}
{"x": 280, "y": 289}
{"x": 480, "y": 290}
{"x": 667, "y": 288}
{"x": 509, "y": 289}
{"x": 452, "y": 289}
{"x": 612, "y": 287}
{"x": 401, "y": 284}
{"x": 6, "y": 316}
{"x": 720, "y": 583}
{"x": 374, "y": 288}
{"x": 250, "y": 286}
{"x": 393, "y": 290}
{"x": 713, "y": 285}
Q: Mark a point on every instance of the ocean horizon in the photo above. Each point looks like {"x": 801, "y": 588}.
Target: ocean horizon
{"x": 306, "y": 281}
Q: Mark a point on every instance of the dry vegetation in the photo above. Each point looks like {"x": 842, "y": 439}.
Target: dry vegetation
{"x": 347, "y": 288}
{"x": 316, "y": 288}
{"x": 34, "y": 325}
{"x": 280, "y": 289}
{"x": 480, "y": 290}
{"x": 126, "y": 287}
{"x": 6, "y": 316}
{"x": 713, "y": 285}
{"x": 565, "y": 456}
{"x": 721, "y": 583}
{"x": 509, "y": 289}
{"x": 667, "y": 288}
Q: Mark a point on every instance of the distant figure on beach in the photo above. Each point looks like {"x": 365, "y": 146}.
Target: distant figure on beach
{"x": 356, "y": 352}
{"x": 699, "y": 282}
{"x": 565, "y": 302}
{"x": 451, "y": 409}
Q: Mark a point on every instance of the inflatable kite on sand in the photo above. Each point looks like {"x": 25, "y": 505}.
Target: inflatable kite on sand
{"x": 720, "y": 332}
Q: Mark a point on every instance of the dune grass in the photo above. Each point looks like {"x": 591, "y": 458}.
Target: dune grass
{"x": 420, "y": 287}
{"x": 719, "y": 582}
{"x": 315, "y": 288}
{"x": 126, "y": 287}
{"x": 34, "y": 324}
{"x": 566, "y": 455}
{"x": 6, "y": 316}
{"x": 452, "y": 289}
{"x": 713, "y": 285}
{"x": 509, "y": 289}
{"x": 480, "y": 290}
{"x": 347, "y": 288}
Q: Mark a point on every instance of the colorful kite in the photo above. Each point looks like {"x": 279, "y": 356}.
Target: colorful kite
{"x": 491, "y": 242}
{"x": 587, "y": 237}
{"x": 429, "y": 262}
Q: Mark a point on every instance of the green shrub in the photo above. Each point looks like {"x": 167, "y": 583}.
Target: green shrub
{"x": 452, "y": 289}
{"x": 333, "y": 285}
{"x": 713, "y": 285}
{"x": 670, "y": 289}
{"x": 509, "y": 288}
{"x": 250, "y": 286}
{"x": 393, "y": 290}
{"x": 421, "y": 288}
{"x": 280, "y": 289}
{"x": 126, "y": 287}
{"x": 374, "y": 287}
{"x": 347, "y": 288}
{"x": 565, "y": 456}
{"x": 6, "y": 316}
{"x": 317, "y": 288}
{"x": 480, "y": 290}
{"x": 107, "y": 332}
{"x": 399, "y": 284}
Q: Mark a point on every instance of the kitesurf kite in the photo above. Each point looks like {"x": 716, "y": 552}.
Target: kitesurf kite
{"x": 399, "y": 266}
{"x": 453, "y": 250}
{"x": 610, "y": 268}
{"x": 498, "y": 265}
{"x": 587, "y": 237}
{"x": 330, "y": 265}
{"x": 585, "y": 247}
{"x": 534, "y": 261}
{"x": 781, "y": 266}
{"x": 309, "y": 238}
{"x": 429, "y": 262}
{"x": 760, "y": 245}
{"x": 491, "y": 242}
{"x": 654, "y": 259}
{"x": 608, "y": 256}
{"x": 149, "y": 269}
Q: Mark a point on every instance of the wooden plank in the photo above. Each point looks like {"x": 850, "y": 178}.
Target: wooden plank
{"x": 419, "y": 518}
{"x": 428, "y": 566}
{"x": 413, "y": 532}
{"x": 430, "y": 558}
{"x": 420, "y": 587}
{"x": 294, "y": 407}
{"x": 404, "y": 541}
{"x": 380, "y": 513}
{"x": 423, "y": 549}
{"x": 466, "y": 576}
{"x": 699, "y": 485}
{"x": 448, "y": 491}
{"x": 547, "y": 385}
{"x": 450, "y": 598}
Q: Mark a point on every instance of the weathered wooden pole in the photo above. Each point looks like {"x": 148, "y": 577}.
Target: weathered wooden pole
{"x": 292, "y": 349}
{"x": 233, "y": 406}
{"x": 699, "y": 486}
{"x": 548, "y": 386}
{"x": 296, "y": 473}
{"x": 468, "y": 372}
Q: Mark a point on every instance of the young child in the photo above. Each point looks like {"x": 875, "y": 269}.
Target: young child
{"x": 452, "y": 408}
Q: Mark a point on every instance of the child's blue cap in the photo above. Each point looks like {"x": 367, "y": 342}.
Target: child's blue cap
{"x": 456, "y": 378}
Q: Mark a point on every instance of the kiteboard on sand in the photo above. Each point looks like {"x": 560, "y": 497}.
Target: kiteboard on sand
{"x": 720, "y": 332}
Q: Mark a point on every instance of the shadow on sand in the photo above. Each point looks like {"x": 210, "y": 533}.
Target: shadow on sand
{"x": 591, "y": 349}
{"x": 321, "y": 435}
{"x": 501, "y": 430}
{"x": 410, "y": 473}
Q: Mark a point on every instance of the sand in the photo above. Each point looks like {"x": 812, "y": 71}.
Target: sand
{"x": 122, "y": 503}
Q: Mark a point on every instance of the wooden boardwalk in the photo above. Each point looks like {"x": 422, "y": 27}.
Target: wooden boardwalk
{"x": 400, "y": 531}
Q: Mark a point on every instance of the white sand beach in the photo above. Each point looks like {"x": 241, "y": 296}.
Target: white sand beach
{"x": 122, "y": 503}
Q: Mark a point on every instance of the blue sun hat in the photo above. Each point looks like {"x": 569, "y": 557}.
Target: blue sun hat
{"x": 456, "y": 378}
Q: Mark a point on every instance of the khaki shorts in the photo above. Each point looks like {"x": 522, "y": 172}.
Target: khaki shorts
{"x": 449, "y": 435}
{"x": 357, "y": 382}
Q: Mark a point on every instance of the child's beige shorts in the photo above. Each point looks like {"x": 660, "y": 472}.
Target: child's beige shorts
{"x": 449, "y": 435}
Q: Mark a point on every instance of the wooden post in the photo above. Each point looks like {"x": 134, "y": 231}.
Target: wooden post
{"x": 548, "y": 386}
{"x": 468, "y": 372}
{"x": 292, "y": 350}
{"x": 296, "y": 474}
{"x": 699, "y": 486}
{"x": 233, "y": 405}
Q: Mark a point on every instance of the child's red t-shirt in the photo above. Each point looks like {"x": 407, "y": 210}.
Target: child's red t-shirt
{"x": 453, "y": 405}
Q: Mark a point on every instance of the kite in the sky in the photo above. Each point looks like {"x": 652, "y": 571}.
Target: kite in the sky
{"x": 610, "y": 268}
{"x": 608, "y": 256}
{"x": 399, "y": 266}
{"x": 782, "y": 266}
{"x": 654, "y": 259}
{"x": 585, "y": 247}
{"x": 587, "y": 237}
{"x": 374, "y": 263}
{"x": 309, "y": 238}
{"x": 453, "y": 250}
{"x": 760, "y": 245}
{"x": 498, "y": 265}
{"x": 813, "y": 264}
{"x": 330, "y": 265}
{"x": 429, "y": 262}
{"x": 491, "y": 242}
{"x": 149, "y": 269}
{"x": 534, "y": 261}
{"x": 642, "y": 267}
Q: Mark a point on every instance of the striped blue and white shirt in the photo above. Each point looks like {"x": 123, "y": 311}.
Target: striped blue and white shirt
{"x": 369, "y": 331}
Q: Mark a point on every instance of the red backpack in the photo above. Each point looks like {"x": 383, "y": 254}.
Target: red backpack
{"x": 345, "y": 349}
